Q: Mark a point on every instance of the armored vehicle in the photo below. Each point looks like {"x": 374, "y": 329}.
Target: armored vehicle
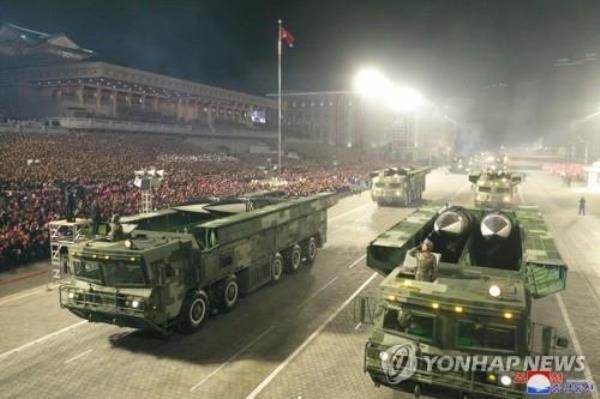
{"x": 400, "y": 186}
{"x": 490, "y": 265}
{"x": 496, "y": 187}
{"x": 178, "y": 265}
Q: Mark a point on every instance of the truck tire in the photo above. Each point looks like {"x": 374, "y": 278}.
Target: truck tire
{"x": 311, "y": 250}
{"x": 293, "y": 258}
{"x": 229, "y": 291}
{"x": 276, "y": 268}
{"x": 194, "y": 312}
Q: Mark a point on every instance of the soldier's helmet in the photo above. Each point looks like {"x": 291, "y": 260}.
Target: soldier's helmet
{"x": 116, "y": 218}
{"x": 496, "y": 226}
{"x": 451, "y": 222}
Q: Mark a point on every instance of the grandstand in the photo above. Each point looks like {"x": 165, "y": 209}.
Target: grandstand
{"x": 49, "y": 77}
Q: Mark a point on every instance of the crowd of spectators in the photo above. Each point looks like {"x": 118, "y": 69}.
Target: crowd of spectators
{"x": 38, "y": 172}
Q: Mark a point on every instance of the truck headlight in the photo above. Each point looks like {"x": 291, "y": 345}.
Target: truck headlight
{"x": 506, "y": 198}
{"x": 135, "y": 304}
{"x": 71, "y": 295}
{"x": 398, "y": 192}
{"x": 384, "y": 356}
{"x": 505, "y": 380}
{"x": 494, "y": 291}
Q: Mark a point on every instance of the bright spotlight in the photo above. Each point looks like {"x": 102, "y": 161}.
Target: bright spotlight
{"x": 371, "y": 83}
{"x": 403, "y": 99}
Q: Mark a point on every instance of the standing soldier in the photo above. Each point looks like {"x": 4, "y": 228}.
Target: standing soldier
{"x": 582, "y": 206}
{"x": 116, "y": 230}
{"x": 96, "y": 217}
{"x": 425, "y": 261}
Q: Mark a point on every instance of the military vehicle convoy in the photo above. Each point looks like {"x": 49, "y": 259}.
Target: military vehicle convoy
{"x": 401, "y": 186}
{"x": 178, "y": 265}
{"x": 490, "y": 265}
{"x": 496, "y": 187}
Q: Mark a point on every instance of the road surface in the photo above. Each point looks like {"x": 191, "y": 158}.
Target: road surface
{"x": 297, "y": 339}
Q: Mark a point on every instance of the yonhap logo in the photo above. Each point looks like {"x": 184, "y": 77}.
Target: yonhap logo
{"x": 538, "y": 383}
{"x": 399, "y": 362}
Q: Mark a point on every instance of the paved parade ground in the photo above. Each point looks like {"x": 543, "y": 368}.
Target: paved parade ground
{"x": 297, "y": 339}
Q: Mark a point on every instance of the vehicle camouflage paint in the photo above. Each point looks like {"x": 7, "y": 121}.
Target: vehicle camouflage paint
{"x": 178, "y": 265}
{"x": 400, "y": 186}
{"x": 496, "y": 187}
{"x": 490, "y": 266}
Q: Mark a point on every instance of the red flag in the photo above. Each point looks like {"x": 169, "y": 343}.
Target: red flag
{"x": 286, "y": 36}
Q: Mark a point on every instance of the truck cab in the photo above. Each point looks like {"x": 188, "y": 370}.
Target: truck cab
{"x": 479, "y": 302}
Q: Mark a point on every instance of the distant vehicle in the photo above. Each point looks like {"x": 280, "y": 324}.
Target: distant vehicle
{"x": 178, "y": 265}
{"x": 398, "y": 186}
{"x": 496, "y": 187}
{"x": 490, "y": 265}
{"x": 459, "y": 165}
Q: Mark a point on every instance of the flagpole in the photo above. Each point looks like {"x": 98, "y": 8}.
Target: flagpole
{"x": 279, "y": 97}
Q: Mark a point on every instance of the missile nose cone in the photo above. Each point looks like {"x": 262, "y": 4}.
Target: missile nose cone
{"x": 496, "y": 225}
{"x": 450, "y": 222}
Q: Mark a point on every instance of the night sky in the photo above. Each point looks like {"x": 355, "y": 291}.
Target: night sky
{"x": 444, "y": 48}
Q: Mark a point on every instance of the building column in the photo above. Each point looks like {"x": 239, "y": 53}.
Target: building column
{"x": 79, "y": 93}
{"x": 114, "y": 95}
{"x": 98, "y": 100}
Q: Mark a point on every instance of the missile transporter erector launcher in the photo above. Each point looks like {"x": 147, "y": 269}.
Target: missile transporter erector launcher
{"x": 398, "y": 186}
{"x": 179, "y": 265}
{"x": 495, "y": 188}
{"x": 490, "y": 265}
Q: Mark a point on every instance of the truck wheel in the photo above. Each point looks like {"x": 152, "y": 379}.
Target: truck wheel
{"x": 293, "y": 258}
{"x": 311, "y": 250}
{"x": 230, "y": 293}
{"x": 194, "y": 312}
{"x": 417, "y": 391}
{"x": 276, "y": 268}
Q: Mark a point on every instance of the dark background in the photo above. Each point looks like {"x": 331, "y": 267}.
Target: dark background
{"x": 447, "y": 49}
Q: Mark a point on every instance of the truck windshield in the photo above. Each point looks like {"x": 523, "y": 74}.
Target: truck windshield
{"x": 112, "y": 274}
{"x": 477, "y": 335}
{"x": 120, "y": 273}
{"x": 417, "y": 325}
{"x": 88, "y": 270}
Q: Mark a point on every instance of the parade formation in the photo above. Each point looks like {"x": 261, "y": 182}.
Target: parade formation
{"x": 245, "y": 201}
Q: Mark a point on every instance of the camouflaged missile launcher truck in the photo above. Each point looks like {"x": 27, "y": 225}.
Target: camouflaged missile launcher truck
{"x": 490, "y": 265}
{"x": 180, "y": 264}
{"x": 495, "y": 188}
{"x": 398, "y": 186}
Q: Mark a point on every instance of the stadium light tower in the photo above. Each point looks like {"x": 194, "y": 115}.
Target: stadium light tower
{"x": 148, "y": 180}
{"x": 371, "y": 83}
{"x": 403, "y": 99}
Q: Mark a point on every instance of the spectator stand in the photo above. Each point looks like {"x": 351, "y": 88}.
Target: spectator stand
{"x": 64, "y": 234}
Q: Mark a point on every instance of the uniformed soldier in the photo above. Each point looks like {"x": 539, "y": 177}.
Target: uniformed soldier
{"x": 116, "y": 230}
{"x": 425, "y": 261}
{"x": 582, "y": 206}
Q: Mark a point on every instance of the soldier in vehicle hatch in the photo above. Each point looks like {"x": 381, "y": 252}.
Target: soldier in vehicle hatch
{"x": 116, "y": 229}
{"x": 425, "y": 261}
